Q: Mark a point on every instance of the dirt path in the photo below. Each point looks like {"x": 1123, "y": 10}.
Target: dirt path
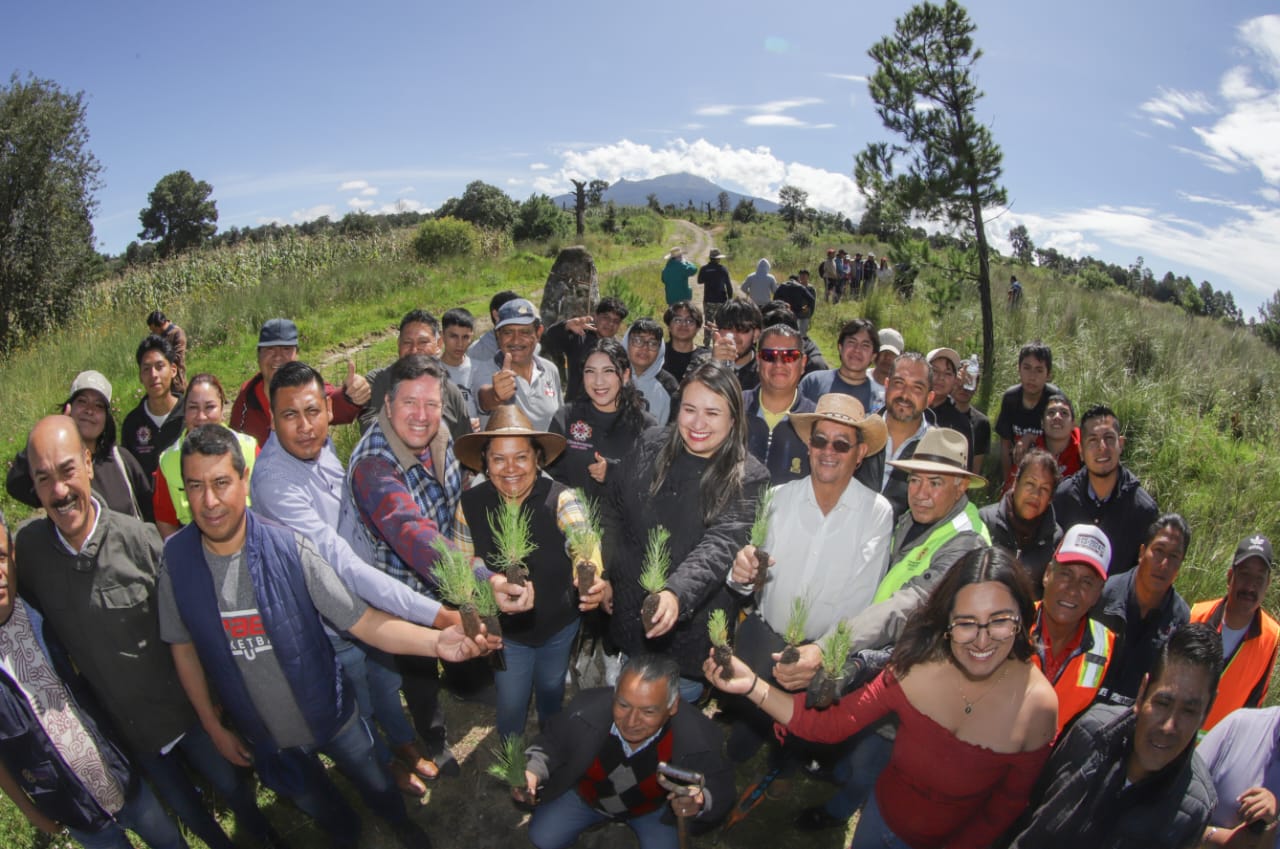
{"x": 697, "y": 244}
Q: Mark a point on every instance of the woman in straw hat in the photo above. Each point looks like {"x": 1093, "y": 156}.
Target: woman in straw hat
{"x": 511, "y": 454}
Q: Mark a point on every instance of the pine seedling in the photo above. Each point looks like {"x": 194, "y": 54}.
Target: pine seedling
{"x": 456, "y": 584}
{"x": 512, "y": 540}
{"x": 722, "y": 652}
{"x": 584, "y": 542}
{"x": 793, "y": 635}
{"x": 835, "y": 650}
{"x": 653, "y": 574}
{"x": 485, "y": 603}
{"x": 759, "y": 535}
{"x": 509, "y": 761}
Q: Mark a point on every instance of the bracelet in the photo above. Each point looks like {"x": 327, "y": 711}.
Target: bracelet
{"x": 763, "y": 698}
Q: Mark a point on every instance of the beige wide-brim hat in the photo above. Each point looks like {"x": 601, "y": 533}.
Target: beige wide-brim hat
{"x": 507, "y": 420}
{"x": 846, "y": 410}
{"x": 676, "y": 253}
{"x": 942, "y": 451}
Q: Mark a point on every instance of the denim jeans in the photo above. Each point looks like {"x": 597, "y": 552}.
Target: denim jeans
{"x": 857, "y": 771}
{"x": 373, "y": 677}
{"x": 557, "y": 824}
{"x": 537, "y": 669}
{"x": 142, "y": 813}
{"x": 175, "y": 789}
{"x": 351, "y": 750}
{"x": 872, "y": 832}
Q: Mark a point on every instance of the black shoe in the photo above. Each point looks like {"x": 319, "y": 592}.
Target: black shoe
{"x": 410, "y": 835}
{"x": 817, "y": 819}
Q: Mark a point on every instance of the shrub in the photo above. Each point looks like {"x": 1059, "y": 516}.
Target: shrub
{"x": 442, "y": 237}
{"x": 540, "y": 219}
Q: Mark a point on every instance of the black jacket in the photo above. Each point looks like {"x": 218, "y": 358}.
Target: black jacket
{"x": 561, "y": 755}
{"x": 1124, "y": 517}
{"x": 586, "y": 431}
{"x": 716, "y": 283}
{"x": 781, "y": 450}
{"x": 701, "y": 555}
{"x": 1036, "y": 556}
{"x": 1081, "y": 799}
{"x": 1138, "y": 640}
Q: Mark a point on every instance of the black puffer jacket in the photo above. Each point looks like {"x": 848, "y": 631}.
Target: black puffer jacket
{"x": 701, "y": 555}
{"x": 1083, "y": 799}
{"x": 1124, "y": 517}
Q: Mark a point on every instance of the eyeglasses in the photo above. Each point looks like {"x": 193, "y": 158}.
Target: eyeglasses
{"x": 999, "y": 629}
{"x": 786, "y": 356}
{"x": 651, "y": 344}
{"x": 820, "y": 442}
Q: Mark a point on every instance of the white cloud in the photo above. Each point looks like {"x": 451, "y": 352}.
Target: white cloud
{"x": 369, "y": 191}
{"x": 754, "y": 171}
{"x": 312, "y": 213}
{"x": 1270, "y": 194}
{"x": 853, "y": 78}
{"x": 716, "y": 110}
{"x": 539, "y": 166}
{"x": 401, "y": 205}
{"x": 407, "y": 190}
{"x": 353, "y": 185}
{"x": 773, "y": 121}
{"x": 514, "y": 181}
{"x": 1175, "y": 105}
{"x": 359, "y": 203}
{"x": 1244, "y": 137}
{"x": 788, "y": 105}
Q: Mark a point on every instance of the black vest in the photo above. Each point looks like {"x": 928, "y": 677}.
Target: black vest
{"x": 556, "y": 601}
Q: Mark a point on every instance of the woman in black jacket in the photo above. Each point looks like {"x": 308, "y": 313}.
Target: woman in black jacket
{"x": 695, "y": 478}
{"x": 601, "y": 425}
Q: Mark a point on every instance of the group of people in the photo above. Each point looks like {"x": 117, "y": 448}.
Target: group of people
{"x": 211, "y": 589}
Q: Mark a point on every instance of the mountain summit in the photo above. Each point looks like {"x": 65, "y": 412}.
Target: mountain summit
{"x": 675, "y": 189}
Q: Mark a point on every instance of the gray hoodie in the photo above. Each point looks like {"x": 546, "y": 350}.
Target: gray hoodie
{"x": 760, "y": 286}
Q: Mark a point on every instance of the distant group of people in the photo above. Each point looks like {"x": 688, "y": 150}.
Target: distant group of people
{"x": 210, "y": 587}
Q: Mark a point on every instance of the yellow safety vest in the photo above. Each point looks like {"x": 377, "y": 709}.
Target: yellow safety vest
{"x": 917, "y": 560}
{"x": 171, "y": 466}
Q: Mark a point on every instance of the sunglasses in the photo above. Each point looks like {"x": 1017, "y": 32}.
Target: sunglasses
{"x": 819, "y": 442}
{"x": 786, "y": 356}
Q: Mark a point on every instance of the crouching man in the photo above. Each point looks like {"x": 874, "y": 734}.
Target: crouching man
{"x": 598, "y": 760}
{"x": 241, "y": 604}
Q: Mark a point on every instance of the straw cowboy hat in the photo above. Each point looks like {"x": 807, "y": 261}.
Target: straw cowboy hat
{"x": 507, "y": 420}
{"x": 942, "y": 451}
{"x": 845, "y": 410}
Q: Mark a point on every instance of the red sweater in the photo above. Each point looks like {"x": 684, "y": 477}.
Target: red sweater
{"x": 251, "y": 413}
{"x": 937, "y": 790}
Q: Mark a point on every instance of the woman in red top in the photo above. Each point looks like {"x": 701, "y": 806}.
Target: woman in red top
{"x": 975, "y": 717}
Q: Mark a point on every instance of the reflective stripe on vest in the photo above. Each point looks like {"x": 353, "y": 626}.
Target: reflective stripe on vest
{"x": 1094, "y": 662}
{"x": 171, "y": 465}
{"x": 1248, "y": 665}
{"x": 917, "y": 560}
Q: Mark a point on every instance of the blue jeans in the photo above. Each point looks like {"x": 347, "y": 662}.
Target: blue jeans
{"x": 373, "y": 677}
{"x": 175, "y": 789}
{"x": 557, "y": 824}
{"x": 872, "y": 832}
{"x": 540, "y": 669}
{"x": 352, "y": 752}
{"x": 857, "y": 771}
{"x": 141, "y": 813}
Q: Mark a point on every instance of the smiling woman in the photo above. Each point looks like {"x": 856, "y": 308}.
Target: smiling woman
{"x": 695, "y": 479}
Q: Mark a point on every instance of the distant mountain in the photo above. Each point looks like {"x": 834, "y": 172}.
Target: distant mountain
{"x": 675, "y": 189}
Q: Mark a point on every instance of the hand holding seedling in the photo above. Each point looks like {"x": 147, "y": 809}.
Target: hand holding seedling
{"x": 740, "y": 681}
{"x": 454, "y": 646}
{"x": 746, "y": 568}
{"x": 665, "y": 618}
{"x": 356, "y": 387}
{"x": 512, "y": 598}
{"x": 594, "y": 595}
{"x": 796, "y": 676}
{"x": 504, "y": 381}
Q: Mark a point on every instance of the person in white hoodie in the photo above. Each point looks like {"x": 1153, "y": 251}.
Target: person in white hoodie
{"x": 761, "y": 286}
{"x": 646, "y": 351}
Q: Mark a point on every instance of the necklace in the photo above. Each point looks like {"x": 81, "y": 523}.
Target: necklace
{"x": 969, "y": 705}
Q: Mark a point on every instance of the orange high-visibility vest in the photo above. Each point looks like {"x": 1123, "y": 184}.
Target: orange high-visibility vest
{"x": 1078, "y": 680}
{"x": 1247, "y": 672}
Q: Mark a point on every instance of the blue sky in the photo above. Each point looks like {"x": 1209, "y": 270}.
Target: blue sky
{"x": 1135, "y": 128}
